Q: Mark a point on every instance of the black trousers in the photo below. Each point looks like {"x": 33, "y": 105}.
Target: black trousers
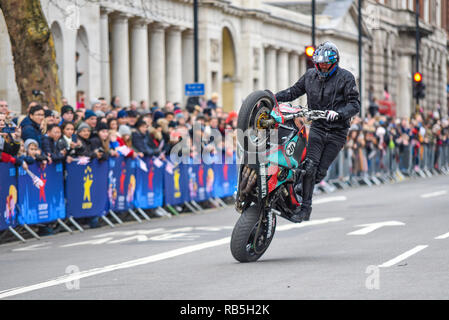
{"x": 323, "y": 147}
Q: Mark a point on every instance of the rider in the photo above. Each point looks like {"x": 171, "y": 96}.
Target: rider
{"x": 334, "y": 90}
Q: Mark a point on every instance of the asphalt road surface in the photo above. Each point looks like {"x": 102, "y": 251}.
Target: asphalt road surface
{"x": 382, "y": 242}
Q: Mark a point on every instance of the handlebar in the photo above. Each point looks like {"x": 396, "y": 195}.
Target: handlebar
{"x": 302, "y": 112}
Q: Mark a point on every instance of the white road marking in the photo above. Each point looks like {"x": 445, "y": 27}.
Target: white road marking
{"x": 142, "y": 261}
{"x": 123, "y": 265}
{"x": 306, "y": 224}
{"x": 370, "y": 227}
{"x": 33, "y": 247}
{"x": 434, "y": 194}
{"x": 330, "y": 199}
{"x": 96, "y": 241}
{"x": 403, "y": 256}
{"x": 443, "y": 236}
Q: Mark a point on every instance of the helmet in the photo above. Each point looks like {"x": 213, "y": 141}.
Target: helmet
{"x": 326, "y": 52}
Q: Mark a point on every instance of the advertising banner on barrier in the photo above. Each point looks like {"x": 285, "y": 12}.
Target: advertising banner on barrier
{"x": 86, "y": 189}
{"x": 121, "y": 183}
{"x": 225, "y": 179}
{"x": 176, "y": 180}
{"x": 149, "y": 186}
{"x": 41, "y": 196}
{"x": 201, "y": 181}
{"x": 8, "y": 196}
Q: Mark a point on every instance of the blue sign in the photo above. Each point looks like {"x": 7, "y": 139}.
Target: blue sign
{"x": 176, "y": 183}
{"x": 194, "y": 89}
{"x": 149, "y": 185}
{"x": 121, "y": 183}
{"x": 8, "y": 196}
{"x": 225, "y": 183}
{"x": 44, "y": 201}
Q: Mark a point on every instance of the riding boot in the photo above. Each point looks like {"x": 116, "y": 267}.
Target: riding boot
{"x": 306, "y": 188}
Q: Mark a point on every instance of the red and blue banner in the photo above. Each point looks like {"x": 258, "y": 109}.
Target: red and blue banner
{"x": 201, "y": 181}
{"x": 118, "y": 184}
{"x": 176, "y": 181}
{"x": 45, "y": 202}
{"x": 225, "y": 183}
{"x": 149, "y": 186}
{"x": 86, "y": 189}
{"x": 8, "y": 196}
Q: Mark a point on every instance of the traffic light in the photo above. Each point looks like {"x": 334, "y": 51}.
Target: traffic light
{"x": 309, "y": 50}
{"x": 419, "y": 88}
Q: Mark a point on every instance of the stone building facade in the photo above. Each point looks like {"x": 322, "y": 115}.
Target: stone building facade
{"x": 143, "y": 50}
{"x": 390, "y": 54}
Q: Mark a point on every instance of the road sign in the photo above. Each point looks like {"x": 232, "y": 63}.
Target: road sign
{"x": 194, "y": 89}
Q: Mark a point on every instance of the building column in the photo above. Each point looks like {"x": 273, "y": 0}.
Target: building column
{"x": 139, "y": 60}
{"x": 174, "y": 64}
{"x": 120, "y": 58}
{"x": 270, "y": 69}
{"x": 188, "y": 72}
{"x": 282, "y": 70}
{"x": 157, "y": 63}
{"x": 104, "y": 47}
{"x": 293, "y": 68}
{"x": 405, "y": 101}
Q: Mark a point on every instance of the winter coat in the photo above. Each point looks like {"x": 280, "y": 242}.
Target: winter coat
{"x": 338, "y": 93}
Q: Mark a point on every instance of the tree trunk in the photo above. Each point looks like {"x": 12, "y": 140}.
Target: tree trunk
{"x": 33, "y": 51}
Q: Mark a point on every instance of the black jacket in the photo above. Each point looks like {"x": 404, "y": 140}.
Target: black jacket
{"x": 338, "y": 93}
{"x": 95, "y": 144}
{"x": 31, "y": 130}
{"x": 141, "y": 142}
{"x": 85, "y": 149}
{"x": 49, "y": 146}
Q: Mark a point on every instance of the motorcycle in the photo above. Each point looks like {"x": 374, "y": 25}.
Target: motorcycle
{"x": 269, "y": 142}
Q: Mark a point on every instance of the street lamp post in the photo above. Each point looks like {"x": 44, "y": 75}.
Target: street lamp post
{"x": 195, "y": 39}
{"x": 417, "y": 46}
{"x": 313, "y": 23}
{"x": 360, "y": 58}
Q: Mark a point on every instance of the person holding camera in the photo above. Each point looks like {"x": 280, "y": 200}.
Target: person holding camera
{"x": 100, "y": 142}
{"x": 32, "y": 124}
{"x": 86, "y": 149}
{"x": 10, "y": 142}
{"x": 50, "y": 146}
{"x": 33, "y": 154}
{"x": 68, "y": 141}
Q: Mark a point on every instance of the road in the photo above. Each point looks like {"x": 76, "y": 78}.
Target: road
{"x": 382, "y": 242}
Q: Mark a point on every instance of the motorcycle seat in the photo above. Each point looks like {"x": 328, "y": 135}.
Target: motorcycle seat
{"x": 287, "y": 108}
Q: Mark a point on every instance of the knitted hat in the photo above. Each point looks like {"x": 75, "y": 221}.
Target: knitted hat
{"x": 132, "y": 114}
{"x": 122, "y": 114}
{"x": 82, "y": 126}
{"x": 30, "y": 141}
{"x": 89, "y": 113}
{"x": 100, "y": 114}
{"x": 124, "y": 130}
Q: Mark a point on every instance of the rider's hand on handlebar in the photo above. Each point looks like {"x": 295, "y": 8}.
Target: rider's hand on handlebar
{"x": 332, "y": 115}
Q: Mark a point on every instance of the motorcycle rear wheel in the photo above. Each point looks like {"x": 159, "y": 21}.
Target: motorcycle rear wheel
{"x": 256, "y": 107}
{"x": 248, "y": 241}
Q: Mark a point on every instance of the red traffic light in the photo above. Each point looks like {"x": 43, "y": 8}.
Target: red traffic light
{"x": 417, "y": 77}
{"x": 310, "y": 50}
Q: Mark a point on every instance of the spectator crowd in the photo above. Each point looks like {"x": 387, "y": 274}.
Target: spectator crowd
{"x": 102, "y": 130}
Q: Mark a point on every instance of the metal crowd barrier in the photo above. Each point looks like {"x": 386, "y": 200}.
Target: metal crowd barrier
{"x": 357, "y": 167}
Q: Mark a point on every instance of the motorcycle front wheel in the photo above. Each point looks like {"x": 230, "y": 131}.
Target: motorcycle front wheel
{"x": 252, "y": 234}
